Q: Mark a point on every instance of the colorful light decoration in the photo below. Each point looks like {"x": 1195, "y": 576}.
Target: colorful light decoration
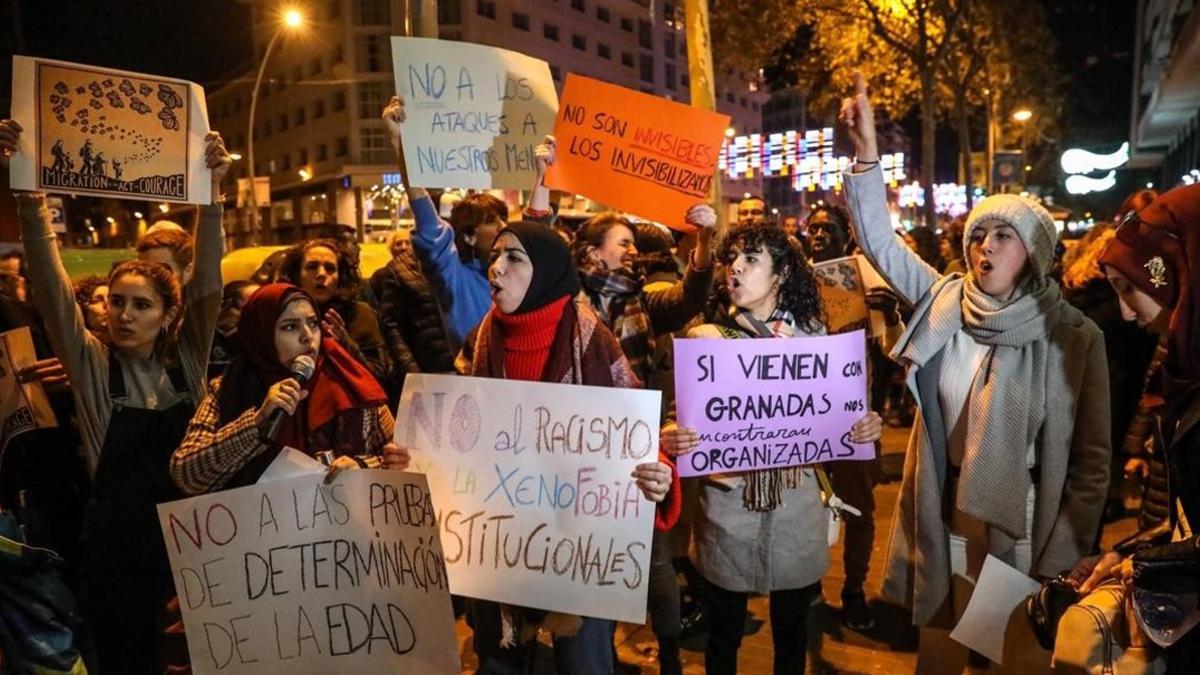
{"x": 948, "y": 198}
{"x": 805, "y": 156}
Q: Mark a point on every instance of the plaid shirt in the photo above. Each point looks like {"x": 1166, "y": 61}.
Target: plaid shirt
{"x": 211, "y": 454}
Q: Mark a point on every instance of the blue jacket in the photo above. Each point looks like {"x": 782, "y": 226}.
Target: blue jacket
{"x": 462, "y": 288}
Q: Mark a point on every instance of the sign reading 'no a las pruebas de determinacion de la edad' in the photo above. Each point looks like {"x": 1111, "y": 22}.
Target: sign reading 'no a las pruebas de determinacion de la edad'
{"x": 770, "y": 403}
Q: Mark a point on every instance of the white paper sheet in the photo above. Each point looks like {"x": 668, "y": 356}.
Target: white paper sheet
{"x": 290, "y": 463}
{"x": 984, "y": 624}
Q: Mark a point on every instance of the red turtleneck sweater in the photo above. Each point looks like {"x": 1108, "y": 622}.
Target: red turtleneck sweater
{"x": 527, "y": 339}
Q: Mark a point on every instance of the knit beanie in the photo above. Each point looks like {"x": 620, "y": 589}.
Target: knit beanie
{"x": 1031, "y": 220}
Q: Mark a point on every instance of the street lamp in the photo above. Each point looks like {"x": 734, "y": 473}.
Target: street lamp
{"x": 292, "y": 20}
{"x": 1023, "y": 115}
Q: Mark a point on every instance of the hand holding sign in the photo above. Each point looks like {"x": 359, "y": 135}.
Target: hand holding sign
{"x": 49, "y": 372}
{"x": 218, "y": 160}
{"x": 654, "y": 479}
{"x": 676, "y": 440}
{"x": 393, "y": 116}
{"x": 701, "y": 217}
{"x": 544, "y": 154}
{"x": 10, "y": 133}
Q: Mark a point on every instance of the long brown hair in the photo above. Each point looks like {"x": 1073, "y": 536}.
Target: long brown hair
{"x": 164, "y": 282}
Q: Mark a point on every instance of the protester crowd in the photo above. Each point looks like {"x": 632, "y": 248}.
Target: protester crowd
{"x": 1032, "y": 383}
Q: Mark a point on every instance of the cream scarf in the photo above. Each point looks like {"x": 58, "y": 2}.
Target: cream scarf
{"x": 1006, "y": 407}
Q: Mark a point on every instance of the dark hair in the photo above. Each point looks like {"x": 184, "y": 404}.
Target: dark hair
{"x": 177, "y": 241}
{"x": 478, "y": 208}
{"x": 349, "y": 278}
{"x": 85, "y": 287}
{"x": 798, "y": 291}
{"x": 654, "y": 250}
{"x": 591, "y": 235}
{"x": 234, "y": 288}
{"x": 166, "y": 284}
{"x": 839, "y": 216}
{"x": 927, "y": 245}
{"x": 953, "y": 234}
{"x": 1134, "y": 203}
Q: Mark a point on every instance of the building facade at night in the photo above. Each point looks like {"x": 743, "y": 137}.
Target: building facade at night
{"x": 1165, "y": 125}
{"x": 317, "y": 129}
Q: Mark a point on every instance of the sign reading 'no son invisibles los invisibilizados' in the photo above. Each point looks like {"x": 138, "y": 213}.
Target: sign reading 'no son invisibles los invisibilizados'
{"x": 474, "y": 113}
{"x": 768, "y": 403}
{"x": 532, "y": 485}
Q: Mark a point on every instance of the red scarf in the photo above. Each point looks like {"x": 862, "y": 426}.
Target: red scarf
{"x": 527, "y": 339}
{"x": 339, "y": 384}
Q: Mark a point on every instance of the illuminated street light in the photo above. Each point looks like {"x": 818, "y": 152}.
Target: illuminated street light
{"x": 1023, "y": 115}
{"x": 292, "y": 21}
{"x": 235, "y": 156}
{"x": 305, "y": 174}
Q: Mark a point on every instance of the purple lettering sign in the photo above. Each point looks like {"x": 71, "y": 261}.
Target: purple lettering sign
{"x": 767, "y": 403}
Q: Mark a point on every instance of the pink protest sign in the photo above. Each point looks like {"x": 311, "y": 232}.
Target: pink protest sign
{"x": 767, "y": 403}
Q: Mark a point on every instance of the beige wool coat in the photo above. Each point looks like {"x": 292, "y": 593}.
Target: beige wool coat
{"x": 1073, "y": 446}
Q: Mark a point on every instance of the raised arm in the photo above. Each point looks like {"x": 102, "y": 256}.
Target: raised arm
{"x": 672, "y": 308}
{"x": 866, "y": 198}
{"x": 203, "y": 291}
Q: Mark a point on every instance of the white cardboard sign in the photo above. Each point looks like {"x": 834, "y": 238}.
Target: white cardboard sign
{"x": 474, "y": 113}
{"x": 298, "y": 576}
{"x": 533, "y": 489}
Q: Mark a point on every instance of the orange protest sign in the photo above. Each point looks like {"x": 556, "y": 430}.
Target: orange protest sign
{"x": 640, "y": 153}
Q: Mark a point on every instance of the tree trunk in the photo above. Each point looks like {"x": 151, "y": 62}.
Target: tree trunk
{"x": 928, "y": 141}
{"x": 964, "y": 146}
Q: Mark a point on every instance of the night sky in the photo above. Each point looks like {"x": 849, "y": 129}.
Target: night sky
{"x": 198, "y": 40}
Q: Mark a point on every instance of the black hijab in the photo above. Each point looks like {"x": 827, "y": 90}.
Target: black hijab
{"x": 554, "y": 273}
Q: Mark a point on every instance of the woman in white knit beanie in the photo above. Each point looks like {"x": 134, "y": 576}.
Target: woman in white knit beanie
{"x": 1007, "y": 457}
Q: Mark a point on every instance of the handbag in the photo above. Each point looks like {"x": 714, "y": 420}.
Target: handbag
{"x": 1046, "y": 606}
{"x": 1099, "y": 635}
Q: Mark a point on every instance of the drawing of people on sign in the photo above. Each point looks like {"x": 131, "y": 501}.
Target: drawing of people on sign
{"x": 130, "y": 135}
{"x": 111, "y": 125}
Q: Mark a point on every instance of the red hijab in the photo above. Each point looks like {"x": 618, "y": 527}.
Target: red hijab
{"x": 340, "y": 383}
{"x": 1156, "y": 248}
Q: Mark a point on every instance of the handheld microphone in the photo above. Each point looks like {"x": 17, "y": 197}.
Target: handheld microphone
{"x": 303, "y": 367}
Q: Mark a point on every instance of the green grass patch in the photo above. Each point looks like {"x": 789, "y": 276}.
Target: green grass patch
{"x": 81, "y": 262}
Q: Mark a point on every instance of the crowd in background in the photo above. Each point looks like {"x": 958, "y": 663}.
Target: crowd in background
{"x": 1035, "y": 377}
